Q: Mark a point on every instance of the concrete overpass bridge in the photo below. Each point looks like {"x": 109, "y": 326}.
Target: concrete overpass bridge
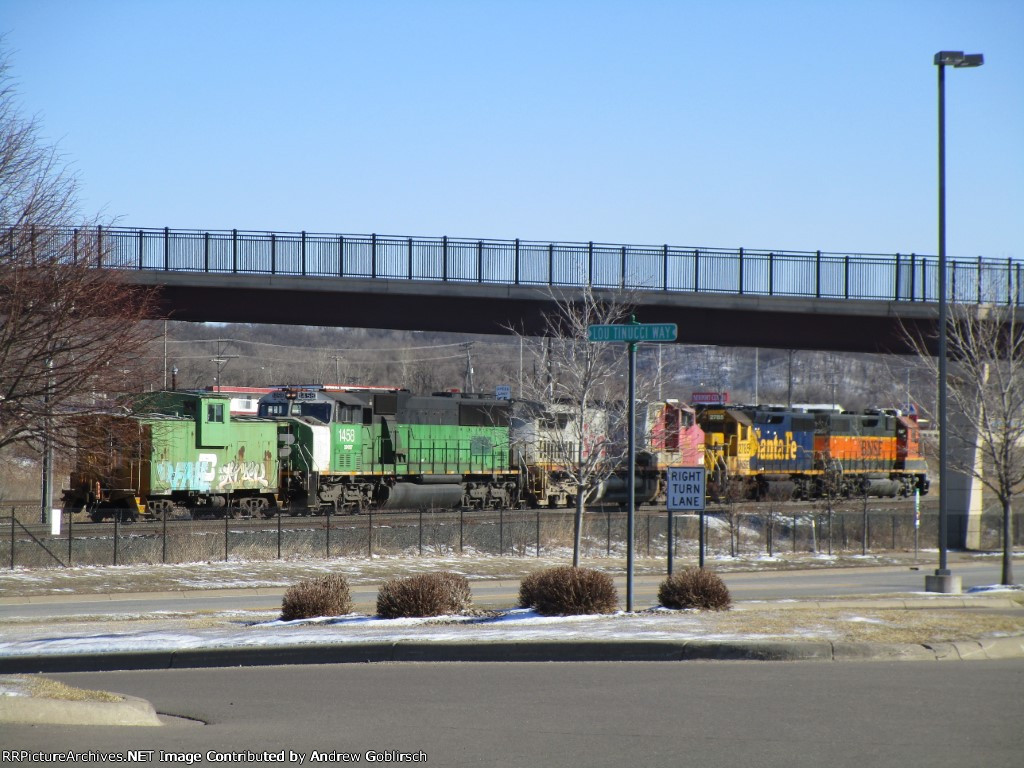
{"x": 733, "y": 297}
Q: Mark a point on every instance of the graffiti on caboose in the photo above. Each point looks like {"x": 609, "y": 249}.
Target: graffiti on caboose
{"x": 204, "y": 475}
{"x": 242, "y": 474}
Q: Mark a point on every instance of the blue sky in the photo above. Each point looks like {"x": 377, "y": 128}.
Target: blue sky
{"x": 799, "y": 125}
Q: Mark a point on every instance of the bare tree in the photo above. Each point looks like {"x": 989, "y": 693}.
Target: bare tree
{"x": 579, "y": 388}
{"x": 986, "y": 385}
{"x": 70, "y": 333}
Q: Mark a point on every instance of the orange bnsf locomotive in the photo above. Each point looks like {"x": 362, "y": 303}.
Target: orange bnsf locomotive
{"x": 770, "y": 452}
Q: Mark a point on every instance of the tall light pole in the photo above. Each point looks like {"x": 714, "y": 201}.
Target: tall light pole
{"x": 943, "y": 580}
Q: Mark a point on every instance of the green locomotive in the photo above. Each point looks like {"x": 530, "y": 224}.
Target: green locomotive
{"x": 350, "y": 448}
{"x": 177, "y": 452}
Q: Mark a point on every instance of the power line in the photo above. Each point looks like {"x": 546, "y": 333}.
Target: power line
{"x": 460, "y": 344}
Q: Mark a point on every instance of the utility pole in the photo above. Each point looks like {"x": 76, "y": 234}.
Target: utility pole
{"x": 789, "y": 393}
{"x": 165, "y": 354}
{"x": 46, "y": 492}
{"x": 757, "y": 374}
{"x": 469, "y": 367}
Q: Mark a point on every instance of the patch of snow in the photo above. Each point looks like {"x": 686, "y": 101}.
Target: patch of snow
{"x": 232, "y": 630}
{"x": 996, "y": 588}
{"x": 863, "y": 619}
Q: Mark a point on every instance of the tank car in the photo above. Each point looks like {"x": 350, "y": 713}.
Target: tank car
{"x": 351, "y": 448}
{"x": 176, "y": 452}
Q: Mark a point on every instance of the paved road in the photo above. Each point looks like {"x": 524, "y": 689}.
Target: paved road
{"x": 762, "y": 585}
{"x": 727, "y": 714}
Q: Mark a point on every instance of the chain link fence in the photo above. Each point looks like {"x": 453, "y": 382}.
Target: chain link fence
{"x": 440, "y": 533}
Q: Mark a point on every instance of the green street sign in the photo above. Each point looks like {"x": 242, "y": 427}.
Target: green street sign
{"x": 633, "y": 332}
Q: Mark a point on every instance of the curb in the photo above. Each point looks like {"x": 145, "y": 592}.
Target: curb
{"x": 529, "y": 651}
{"x": 132, "y": 711}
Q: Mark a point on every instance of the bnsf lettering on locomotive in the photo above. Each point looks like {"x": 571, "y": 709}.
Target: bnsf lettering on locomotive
{"x": 871, "y": 449}
{"x": 776, "y": 448}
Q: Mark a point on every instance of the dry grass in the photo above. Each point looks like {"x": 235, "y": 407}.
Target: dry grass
{"x": 44, "y": 688}
{"x": 896, "y": 625}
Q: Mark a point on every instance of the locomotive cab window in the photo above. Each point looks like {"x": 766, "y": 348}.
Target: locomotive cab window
{"x": 215, "y": 412}
{"x": 349, "y": 414}
{"x": 318, "y": 411}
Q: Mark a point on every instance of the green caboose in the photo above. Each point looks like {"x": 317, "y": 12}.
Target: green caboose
{"x": 176, "y": 452}
{"x": 351, "y": 448}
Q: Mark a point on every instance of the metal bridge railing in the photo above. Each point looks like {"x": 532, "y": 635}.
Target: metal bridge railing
{"x": 817, "y": 274}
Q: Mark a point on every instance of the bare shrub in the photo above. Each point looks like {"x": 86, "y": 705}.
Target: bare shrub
{"x": 568, "y": 591}
{"x": 324, "y": 596}
{"x": 695, "y": 588}
{"x": 528, "y": 588}
{"x": 426, "y": 594}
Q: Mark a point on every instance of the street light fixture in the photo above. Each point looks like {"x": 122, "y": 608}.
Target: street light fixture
{"x": 943, "y": 580}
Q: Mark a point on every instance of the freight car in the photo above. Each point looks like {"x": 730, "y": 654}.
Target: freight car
{"x": 774, "y": 452}
{"x": 175, "y": 453}
{"x": 351, "y": 448}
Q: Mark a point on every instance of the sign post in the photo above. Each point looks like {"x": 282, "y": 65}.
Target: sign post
{"x": 632, "y": 334}
{"x": 687, "y": 487}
